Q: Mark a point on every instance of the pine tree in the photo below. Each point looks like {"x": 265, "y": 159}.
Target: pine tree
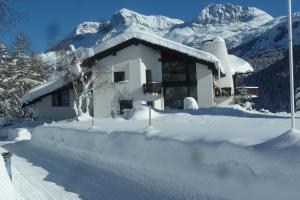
{"x": 20, "y": 73}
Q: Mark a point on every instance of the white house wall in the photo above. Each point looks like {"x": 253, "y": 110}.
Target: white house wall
{"x": 204, "y": 86}
{"x": 44, "y": 110}
{"x": 150, "y": 60}
{"x": 133, "y": 60}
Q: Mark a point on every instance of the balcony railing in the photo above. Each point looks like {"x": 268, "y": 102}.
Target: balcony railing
{"x": 249, "y": 91}
{"x": 152, "y": 88}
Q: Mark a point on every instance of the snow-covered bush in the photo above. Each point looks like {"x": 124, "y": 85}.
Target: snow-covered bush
{"x": 247, "y": 105}
{"x": 262, "y": 110}
{"x": 190, "y": 103}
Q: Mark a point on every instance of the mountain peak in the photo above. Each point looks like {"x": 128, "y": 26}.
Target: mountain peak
{"x": 87, "y": 28}
{"x": 153, "y": 23}
{"x": 229, "y": 13}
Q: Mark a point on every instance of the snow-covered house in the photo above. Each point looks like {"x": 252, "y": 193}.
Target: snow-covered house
{"x": 136, "y": 68}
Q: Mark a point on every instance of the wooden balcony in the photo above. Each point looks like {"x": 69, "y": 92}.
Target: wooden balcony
{"x": 152, "y": 91}
{"x": 249, "y": 91}
{"x": 152, "y": 88}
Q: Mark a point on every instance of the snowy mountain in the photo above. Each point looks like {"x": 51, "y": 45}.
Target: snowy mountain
{"x": 229, "y": 13}
{"x": 272, "y": 35}
{"x": 89, "y": 34}
{"x": 225, "y": 20}
{"x": 229, "y": 21}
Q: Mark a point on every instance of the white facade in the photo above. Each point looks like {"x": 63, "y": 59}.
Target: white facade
{"x": 205, "y": 90}
{"x": 133, "y": 60}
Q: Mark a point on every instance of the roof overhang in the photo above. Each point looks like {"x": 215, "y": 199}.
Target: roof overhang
{"x": 136, "y": 40}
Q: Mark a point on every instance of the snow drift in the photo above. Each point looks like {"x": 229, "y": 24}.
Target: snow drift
{"x": 288, "y": 139}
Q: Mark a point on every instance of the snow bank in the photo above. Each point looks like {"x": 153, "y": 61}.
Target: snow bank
{"x": 157, "y": 40}
{"x": 188, "y": 152}
{"x": 190, "y": 103}
{"x": 6, "y": 188}
{"x": 289, "y": 139}
{"x": 191, "y": 169}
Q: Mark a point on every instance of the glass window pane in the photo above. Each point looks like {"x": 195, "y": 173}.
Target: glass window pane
{"x": 119, "y": 76}
{"x": 193, "y": 92}
{"x": 192, "y": 72}
{"x": 174, "y": 71}
{"x": 65, "y": 99}
{"x": 54, "y": 99}
{"x": 174, "y": 97}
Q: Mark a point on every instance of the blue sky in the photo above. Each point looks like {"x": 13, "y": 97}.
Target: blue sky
{"x": 60, "y": 17}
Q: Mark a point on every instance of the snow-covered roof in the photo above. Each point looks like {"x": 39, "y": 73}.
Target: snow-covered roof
{"x": 43, "y": 89}
{"x": 239, "y": 65}
{"x": 157, "y": 40}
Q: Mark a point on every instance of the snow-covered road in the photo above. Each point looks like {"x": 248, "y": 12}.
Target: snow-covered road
{"x": 42, "y": 175}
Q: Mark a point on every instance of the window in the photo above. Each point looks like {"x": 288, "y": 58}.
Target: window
{"x": 148, "y": 76}
{"x": 119, "y": 76}
{"x": 179, "y": 71}
{"x": 61, "y": 98}
{"x": 173, "y": 71}
{"x": 125, "y": 105}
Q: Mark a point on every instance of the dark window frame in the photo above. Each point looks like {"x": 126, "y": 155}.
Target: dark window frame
{"x": 61, "y": 98}
{"x": 125, "y": 104}
{"x": 188, "y": 70}
{"x": 148, "y": 76}
{"x": 119, "y": 76}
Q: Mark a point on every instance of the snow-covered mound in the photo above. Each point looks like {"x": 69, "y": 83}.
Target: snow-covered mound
{"x": 21, "y": 134}
{"x": 140, "y": 113}
{"x": 289, "y": 139}
{"x": 190, "y": 103}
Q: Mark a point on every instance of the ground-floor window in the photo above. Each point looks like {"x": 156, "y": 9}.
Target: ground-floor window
{"x": 119, "y": 76}
{"x": 61, "y": 98}
{"x": 174, "y": 96}
{"x": 125, "y": 105}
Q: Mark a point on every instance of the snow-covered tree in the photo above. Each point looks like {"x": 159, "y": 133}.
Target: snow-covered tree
{"x": 20, "y": 71}
{"x": 86, "y": 81}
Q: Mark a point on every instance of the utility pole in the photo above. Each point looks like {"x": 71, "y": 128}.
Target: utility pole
{"x": 291, "y": 63}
